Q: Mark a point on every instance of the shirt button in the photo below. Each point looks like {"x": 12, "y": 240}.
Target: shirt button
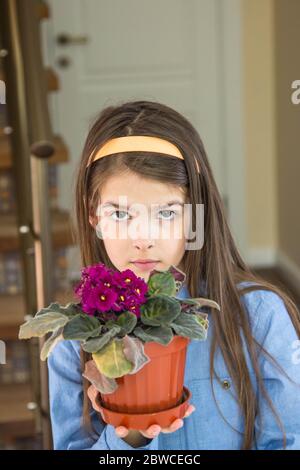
{"x": 226, "y": 384}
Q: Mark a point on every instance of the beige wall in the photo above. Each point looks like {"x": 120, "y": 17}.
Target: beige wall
{"x": 258, "y": 70}
{"x": 287, "y": 44}
{"x": 271, "y": 35}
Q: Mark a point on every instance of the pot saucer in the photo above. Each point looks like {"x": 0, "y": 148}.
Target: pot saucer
{"x": 142, "y": 421}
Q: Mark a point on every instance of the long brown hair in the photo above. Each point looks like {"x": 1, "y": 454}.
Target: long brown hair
{"x": 218, "y": 262}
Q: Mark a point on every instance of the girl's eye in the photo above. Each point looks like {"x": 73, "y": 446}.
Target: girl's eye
{"x": 168, "y": 211}
{"x": 120, "y": 212}
{"x": 169, "y": 215}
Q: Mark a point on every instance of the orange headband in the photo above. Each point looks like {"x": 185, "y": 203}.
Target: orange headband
{"x": 134, "y": 143}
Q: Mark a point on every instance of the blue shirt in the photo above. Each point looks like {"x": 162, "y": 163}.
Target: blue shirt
{"x": 211, "y": 425}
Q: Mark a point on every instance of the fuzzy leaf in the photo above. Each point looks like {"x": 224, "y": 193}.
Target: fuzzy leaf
{"x": 51, "y": 342}
{"x": 187, "y": 304}
{"x": 82, "y": 327}
{"x": 178, "y": 275}
{"x": 126, "y": 321}
{"x": 111, "y": 360}
{"x": 203, "y": 302}
{"x": 162, "y": 334}
{"x": 40, "y": 325}
{"x": 102, "y": 383}
{"x": 134, "y": 351}
{"x": 161, "y": 283}
{"x": 69, "y": 310}
{"x": 190, "y": 326}
{"x": 160, "y": 310}
{"x": 94, "y": 345}
{"x": 202, "y": 319}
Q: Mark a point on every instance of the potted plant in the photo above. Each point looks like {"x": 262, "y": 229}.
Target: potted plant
{"x": 137, "y": 333}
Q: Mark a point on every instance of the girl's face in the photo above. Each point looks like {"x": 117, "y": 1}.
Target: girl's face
{"x": 137, "y": 223}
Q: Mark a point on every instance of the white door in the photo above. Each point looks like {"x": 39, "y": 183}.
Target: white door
{"x": 171, "y": 51}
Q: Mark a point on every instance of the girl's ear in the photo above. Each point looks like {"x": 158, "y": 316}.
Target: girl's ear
{"x": 92, "y": 221}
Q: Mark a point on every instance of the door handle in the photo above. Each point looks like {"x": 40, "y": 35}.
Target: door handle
{"x": 66, "y": 39}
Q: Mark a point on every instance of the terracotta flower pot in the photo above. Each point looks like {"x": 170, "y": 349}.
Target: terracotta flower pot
{"x": 153, "y": 395}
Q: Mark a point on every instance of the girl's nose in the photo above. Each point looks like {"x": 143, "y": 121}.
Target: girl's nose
{"x": 143, "y": 244}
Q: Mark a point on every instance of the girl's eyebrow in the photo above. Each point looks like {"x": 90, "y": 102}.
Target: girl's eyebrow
{"x": 167, "y": 204}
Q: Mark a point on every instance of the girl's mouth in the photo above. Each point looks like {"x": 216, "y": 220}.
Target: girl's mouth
{"x": 146, "y": 266}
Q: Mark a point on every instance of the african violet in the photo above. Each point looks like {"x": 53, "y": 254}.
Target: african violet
{"x": 117, "y": 314}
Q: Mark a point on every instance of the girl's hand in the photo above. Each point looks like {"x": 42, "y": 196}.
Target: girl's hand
{"x": 149, "y": 433}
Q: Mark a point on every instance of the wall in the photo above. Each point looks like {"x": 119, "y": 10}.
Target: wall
{"x": 287, "y": 69}
{"x": 271, "y": 38}
{"x": 260, "y": 144}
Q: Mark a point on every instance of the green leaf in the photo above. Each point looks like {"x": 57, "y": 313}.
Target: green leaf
{"x": 190, "y": 326}
{"x": 178, "y": 275}
{"x": 126, "y": 321}
{"x": 161, "y": 283}
{"x": 134, "y": 351}
{"x": 162, "y": 334}
{"x": 111, "y": 360}
{"x": 40, "y": 325}
{"x": 82, "y": 327}
{"x": 51, "y": 342}
{"x": 94, "y": 345}
{"x": 203, "y": 302}
{"x": 102, "y": 383}
{"x": 202, "y": 319}
{"x": 69, "y": 310}
{"x": 178, "y": 278}
{"x": 187, "y": 303}
{"x": 160, "y": 310}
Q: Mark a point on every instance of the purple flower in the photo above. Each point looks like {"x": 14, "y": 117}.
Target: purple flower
{"x": 103, "y": 290}
{"x": 100, "y": 298}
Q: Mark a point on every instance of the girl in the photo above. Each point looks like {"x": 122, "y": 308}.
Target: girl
{"x": 245, "y": 377}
